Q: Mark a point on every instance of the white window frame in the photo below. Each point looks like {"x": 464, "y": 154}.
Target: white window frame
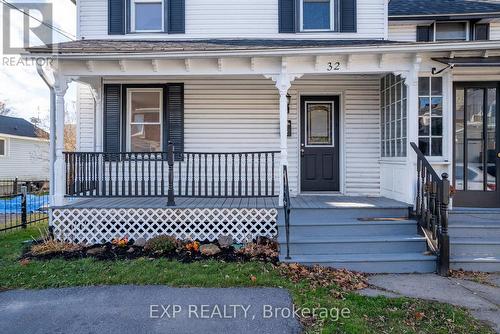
{"x": 467, "y": 31}
{"x": 332, "y": 18}
{"x": 5, "y": 147}
{"x": 332, "y": 126}
{"x": 130, "y": 91}
{"x": 430, "y": 136}
{"x": 132, "y": 14}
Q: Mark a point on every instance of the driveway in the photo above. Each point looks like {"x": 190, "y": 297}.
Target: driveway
{"x": 147, "y": 309}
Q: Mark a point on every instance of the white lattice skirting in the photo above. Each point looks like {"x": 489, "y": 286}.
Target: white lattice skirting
{"x": 94, "y": 226}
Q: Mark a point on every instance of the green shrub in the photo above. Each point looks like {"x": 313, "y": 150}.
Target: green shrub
{"x": 162, "y": 244}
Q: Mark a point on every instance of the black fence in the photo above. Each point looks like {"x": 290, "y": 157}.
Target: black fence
{"x": 158, "y": 174}
{"x": 23, "y": 203}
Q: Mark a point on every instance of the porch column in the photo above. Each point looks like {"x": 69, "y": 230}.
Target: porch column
{"x": 283, "y": 82}
{"x": 97, "y": 94}
{"x": 412, "y": 126}
{"x": 61, "y": 86}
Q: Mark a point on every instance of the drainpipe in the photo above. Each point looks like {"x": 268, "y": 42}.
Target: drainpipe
{"x": 52, "y": 135}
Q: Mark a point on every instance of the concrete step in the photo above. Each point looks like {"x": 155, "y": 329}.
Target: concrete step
{"x": 472, "y": 216}
{"x": 353, "y": 227}
{"x": 476, "y": 263}
{"x": 354, "y": 245}
{"x": 372, "y": 263}
{"x": 329, "y": 215}
{"x": 482, "y": 230}
{"x": 474, "y": 246}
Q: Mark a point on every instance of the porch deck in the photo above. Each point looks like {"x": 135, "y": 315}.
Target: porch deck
{"x": 299, "y": 202}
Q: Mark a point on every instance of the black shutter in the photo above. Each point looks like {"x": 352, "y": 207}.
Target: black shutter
{"x": 112, "y": 118}
{"x": 175, "y": 114}
{"x": 286, "y": 9}
{"x": 176, "y": 11}
{"x": 481, "y": 31}
{"x": 424, "y": 34}
{"x": 348, "y": 15}
{"x": 116, "y": 17}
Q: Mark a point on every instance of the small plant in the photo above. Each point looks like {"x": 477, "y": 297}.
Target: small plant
{"x": 193, "y": 246}
{"x": 54, "y": 246}
{"x": 48, "y": 245}
{"x": 162, "y": 244}
{"x": 120, "y": 242}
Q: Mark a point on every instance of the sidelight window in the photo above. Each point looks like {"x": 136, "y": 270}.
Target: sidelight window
{"x": 393, "y": 116}
{"x": 430, "y": 116}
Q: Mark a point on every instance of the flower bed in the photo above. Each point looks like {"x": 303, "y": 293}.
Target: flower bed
{"x": 262, "y": 249}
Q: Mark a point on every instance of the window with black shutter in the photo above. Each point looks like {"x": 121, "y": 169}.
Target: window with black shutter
{"x": 481, "y": 31}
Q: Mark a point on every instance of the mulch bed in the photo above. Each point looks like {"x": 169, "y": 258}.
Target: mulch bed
{"x": 111, "y": 252}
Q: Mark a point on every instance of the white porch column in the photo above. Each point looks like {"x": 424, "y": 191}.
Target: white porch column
{"x": 97, "y": 94}
{"x": 412, "y": 86}
{"x": 283, "y": 83}
{"x": 60, "y": 88}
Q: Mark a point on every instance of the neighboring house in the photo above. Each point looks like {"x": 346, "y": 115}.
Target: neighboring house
{"x": 24, "y": 150}
{"x": 317, "y": 99}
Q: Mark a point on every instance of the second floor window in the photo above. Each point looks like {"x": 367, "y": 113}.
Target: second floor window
{"x": 317, "y": 15}
{"x": 147, "y": 15}
{"x": 451, "y": 31}
{"x": 3, "y": 149}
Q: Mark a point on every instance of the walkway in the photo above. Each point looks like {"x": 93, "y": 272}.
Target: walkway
{"x": 483, "y": 300}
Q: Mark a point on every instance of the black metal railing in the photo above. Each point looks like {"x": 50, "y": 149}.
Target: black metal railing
{"x": 160, "y": 174}
{"x": 431, "y": 209}
{"x": 287, "y": 209}
{"x": 23, "y": 203}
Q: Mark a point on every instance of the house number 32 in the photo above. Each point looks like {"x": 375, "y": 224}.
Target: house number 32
{"x": 333, "y": 66}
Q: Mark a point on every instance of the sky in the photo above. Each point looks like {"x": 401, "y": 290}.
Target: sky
{"x": 21, "y": 88}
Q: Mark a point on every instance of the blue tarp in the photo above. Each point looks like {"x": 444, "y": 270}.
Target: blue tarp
{"x": 33, "y": 203}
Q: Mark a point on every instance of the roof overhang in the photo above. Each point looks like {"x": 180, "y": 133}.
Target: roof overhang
{"x": 403, "y": 47}
{"x": 469, "y": 61}
{"x": 446, "y": 17}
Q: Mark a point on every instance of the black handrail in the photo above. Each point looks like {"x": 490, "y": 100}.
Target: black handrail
{"x": 431, "y": 209}
{"x": 171, "y": 174}
{"x": 287, "y": 209}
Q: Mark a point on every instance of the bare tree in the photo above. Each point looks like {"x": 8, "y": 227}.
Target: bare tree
{"x": 4, "y": 110}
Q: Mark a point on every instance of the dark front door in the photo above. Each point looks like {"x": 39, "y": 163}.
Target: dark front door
{"x": 319, "y": 143}
{"x": 477, "y": 144}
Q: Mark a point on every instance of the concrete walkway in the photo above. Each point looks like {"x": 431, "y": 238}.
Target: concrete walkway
{"x": 483, "y": 300}
{"x": 146, "y": 309}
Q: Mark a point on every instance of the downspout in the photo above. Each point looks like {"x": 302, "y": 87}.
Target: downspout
{"x": 52, "y": 135}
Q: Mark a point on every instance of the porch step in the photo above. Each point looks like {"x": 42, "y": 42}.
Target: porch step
{"x": 312, "y": 228}
{"x": 354, "y": 245}
{"x": 474, "y": 246}
{"x": 476, "y": 263}
{"x": 475, "y": 239}
{"x": 367, "y": 239}
{"x": 372, "y": 263}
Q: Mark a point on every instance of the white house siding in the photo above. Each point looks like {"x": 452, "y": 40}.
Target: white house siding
{"x": 86, "y": 123}
{"x": 237, "y": 114}
{"x": 233, "y": 19}
{"x": 403, "y": 32}
{"x": 26, "y": 159}
{"x": 495, "y": 31}
{"x": 408, "y": 32}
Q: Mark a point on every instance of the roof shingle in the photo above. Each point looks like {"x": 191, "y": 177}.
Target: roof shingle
{"x": 20, "y": 127}
{"x": 442, "y": 7}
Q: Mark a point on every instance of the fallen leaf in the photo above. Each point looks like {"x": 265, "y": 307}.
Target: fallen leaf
{"x": 253, "y": 278}
{"x": 24, "y": 262}
{"x": 419, "y": 315}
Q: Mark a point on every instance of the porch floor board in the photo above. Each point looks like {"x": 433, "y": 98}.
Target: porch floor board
{"x": 299, "y": 202}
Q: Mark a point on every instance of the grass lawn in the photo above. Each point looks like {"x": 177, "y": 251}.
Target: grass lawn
{"x": 367, "y": 315}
